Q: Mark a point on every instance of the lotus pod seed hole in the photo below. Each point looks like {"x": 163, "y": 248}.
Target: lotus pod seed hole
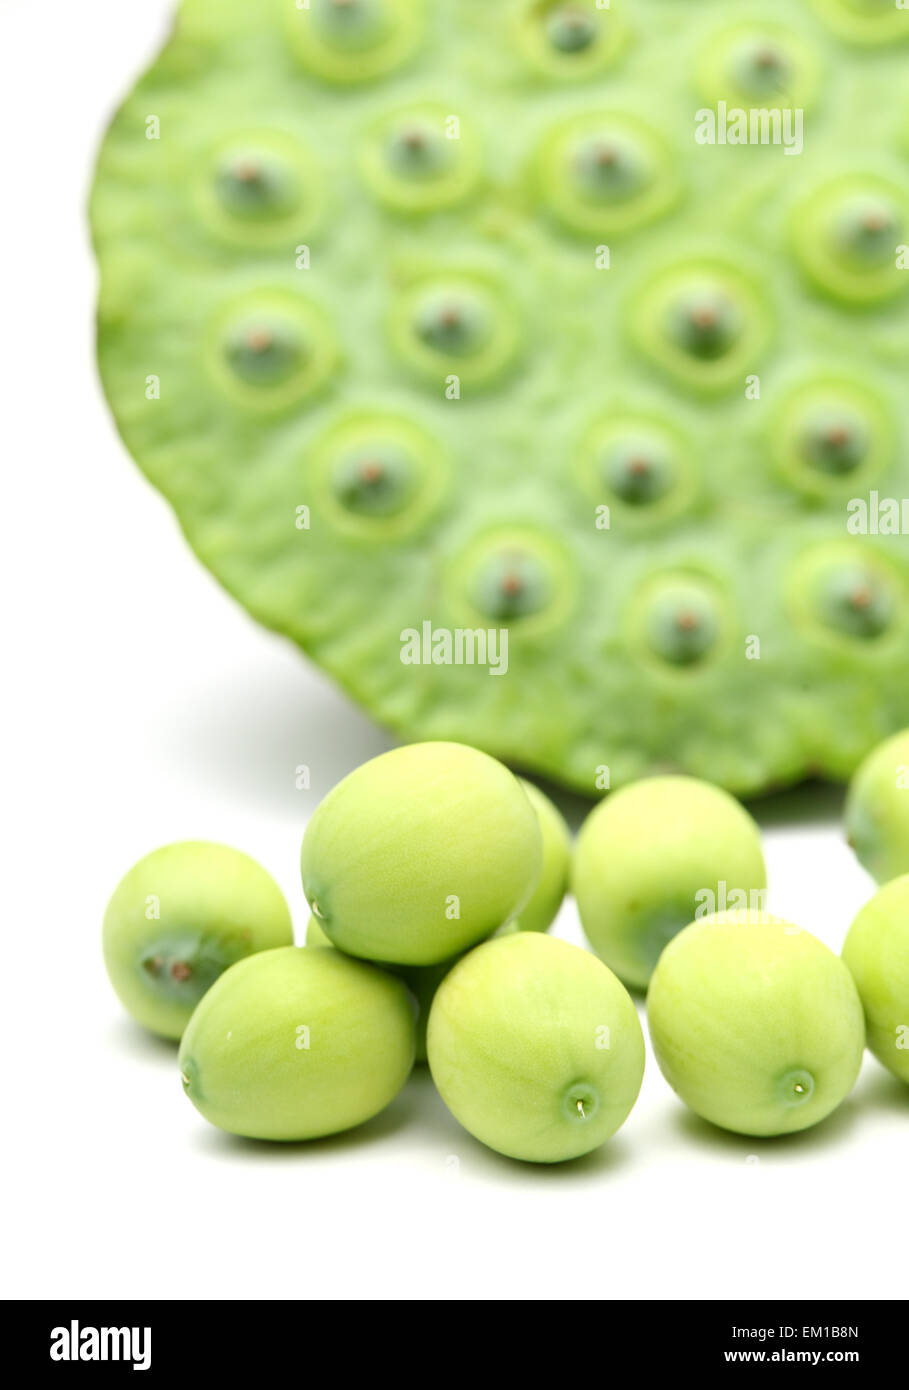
{"x": 638, "y": 470}
{"x": 855, "y": 601}
{"x": 571, "y": 29}
{"x": 867, "y": 229}
{"x": 760, "y": 67}
{"x": 609, "y": 167}
{"x": 706, "y": 323}
{"x": 681, "y": 624}
{"x": 376, "y": 481}
{"x": 511, "y": 585}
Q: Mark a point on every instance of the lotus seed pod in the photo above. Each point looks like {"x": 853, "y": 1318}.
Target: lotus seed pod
{"x": 755, "y": 1024}
{"x": 877, "y": 954}
{"x": 180, "y": 917}
{"x": 420, "y": 853}
{"x": 535, "y": 1048}
{"x": 421, "y": 980}
{"x": 653, "y": 857}
{"x": 877, "y": 809}
{"x": 542, "y": 907}
{"x": 296, "y": 1044}
{"x": 489, "y": 322}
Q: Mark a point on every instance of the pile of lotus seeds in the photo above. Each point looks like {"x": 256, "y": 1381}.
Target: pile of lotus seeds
{"x": 432, "y": 874}
{"x": 438, "y": 316}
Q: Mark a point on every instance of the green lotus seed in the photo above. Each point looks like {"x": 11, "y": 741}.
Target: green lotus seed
{"x": 416, "y": 150}
{"x": 877, "y": 809}
{"x": 254, "y": 186}
{"x": 853, "y": 600}
{"x": 570, "y": 29}
{"x": 420, "y": 853}
{"x": 374, "y": 482}
{"x": 846, "y": 235}
{"x": 355, "y": 23}
{"x": 755, "y": 1024}
{"x": 704, "y": 321}
{"x": 760, "y": 67}
{"x": 832, "y": 435}
{"x": 604, "y": 174}
{"x": 511, "y": 585}
{"x": 535, "y": 1048}
{"x": 421, "y": 980}
{"x": 867, "y": 229}
{"x": 272, "y": 350}
{"x": 751, "y": 64}
{"x": 655, "y": 855}
{"x": 682, "y": 623}
{"x": 180, "y": 917}
{"x": 572, "y": 40}
{"x": 639, "y": 470}
{"x": 350, "y": 41}
{"x": 541, "y": 908}
{"x": 705, "y": 324}
{"x": 298, "y": 1043}
{"x": 877, "y": 954}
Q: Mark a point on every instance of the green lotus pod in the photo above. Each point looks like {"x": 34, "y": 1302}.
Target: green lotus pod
{"x": 877, "y": 809}
{"x": 296, "y": 1044}
{"x": 480, "y": 318}
{"x": 535, "y": 1048}
{"x": 755, "y": 1024}
{"x": 420, "y": 853}
{"x": 654, "y": 856}
{"x": 877, "y": 954}
{"x": 178, "y": 919}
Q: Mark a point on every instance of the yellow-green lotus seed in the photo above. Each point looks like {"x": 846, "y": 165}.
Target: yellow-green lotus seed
{"x": 420, "y": 853}
{"x": 298, "y": 1043}
{"x": 179, "y": 918}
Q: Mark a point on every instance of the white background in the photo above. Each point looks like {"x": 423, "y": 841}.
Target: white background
{"x": 143, "y": 706}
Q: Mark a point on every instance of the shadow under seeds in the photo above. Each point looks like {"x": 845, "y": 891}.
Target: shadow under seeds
{"x": 806, "y": 803}
{"x": 400, "y": 1114}
{"x": 785, "y": 1147}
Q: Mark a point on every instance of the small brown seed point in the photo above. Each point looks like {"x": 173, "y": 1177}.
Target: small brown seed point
{"x": 259, "y": 340}
{"x": 861, "y": 597}
{"x": 180, "y": 970}
{"x": 686, "y": 621}
{"x": 371, "y": 471}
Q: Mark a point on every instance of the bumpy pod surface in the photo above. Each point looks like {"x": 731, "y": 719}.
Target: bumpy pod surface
{"x": 438, "y": 318}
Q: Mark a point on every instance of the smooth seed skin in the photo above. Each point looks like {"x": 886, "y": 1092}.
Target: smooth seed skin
{"x": 180, "y": 917}
{"x": 542, "y": 907}
{"x": 755, "y": 1024}
{"x": 296, "y": 1044}
{"x": 877, "y": 809}
{"x": 421, "y": 853}
{"x": 421, "y": 980}
{"x": 877, "y": 955}
{"x": 648, "y": 859}
{"x": 535, "y": 1048}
